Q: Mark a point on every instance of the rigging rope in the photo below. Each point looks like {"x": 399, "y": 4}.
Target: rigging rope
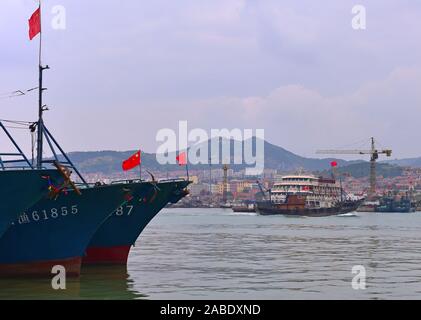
{"x": 12, "y": 127}
{"x": 23, "y": 125}
{"x": 19, "y": 122}
{"x": 16, "y": 93}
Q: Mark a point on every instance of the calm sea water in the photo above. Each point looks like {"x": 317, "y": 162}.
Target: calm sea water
{"x": 217, "y": 254}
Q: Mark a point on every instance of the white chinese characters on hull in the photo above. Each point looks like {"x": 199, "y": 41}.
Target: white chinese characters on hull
{"x": 47, "y": 214}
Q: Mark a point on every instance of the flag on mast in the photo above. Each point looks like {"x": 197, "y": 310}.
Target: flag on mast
{"x": 334, "y": 165}
{"x": 182, "y": 159}
{"x": 35, "y": 24}
{"x": 132, "y": 162}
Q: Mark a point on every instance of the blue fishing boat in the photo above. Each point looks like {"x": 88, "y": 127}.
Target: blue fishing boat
{"x": 112, "y": 242}
{"x": 57, "y": 232}
{"x": 21, "y": 185}
{"x": 20, "y": 189}
{"x": 57, "y": 229}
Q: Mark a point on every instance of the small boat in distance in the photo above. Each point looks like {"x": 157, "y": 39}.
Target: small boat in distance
{"x": 307, "y": 195}
{"x": 245, "y": 206}
{"x": 389, "y": 202}
{"x": 395, "y": 203}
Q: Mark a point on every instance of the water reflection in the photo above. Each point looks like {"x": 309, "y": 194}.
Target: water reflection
{"x": 105, "y": 282}
{"x": 214, "y": 254}
{"x": 30, "y": 289}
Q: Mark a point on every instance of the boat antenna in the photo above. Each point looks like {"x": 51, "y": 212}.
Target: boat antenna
{"x": 41, "y": 107}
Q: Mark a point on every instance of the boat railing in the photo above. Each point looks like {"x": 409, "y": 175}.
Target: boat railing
{"x": 11, "y": 168}
{"x": 18, "y": 154}
{"x": 173, "y": 180}
{"x": 128, "y": 181}
{"x": 83, "y": 185}
{"x": 7, "y": 164}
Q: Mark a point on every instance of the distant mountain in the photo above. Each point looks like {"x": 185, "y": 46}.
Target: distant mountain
{"x": 107, "y": 162}
{"x": 409, "y": 162}
{"x": 277, "y": 158}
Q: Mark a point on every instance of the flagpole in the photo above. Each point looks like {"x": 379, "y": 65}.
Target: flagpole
{"x": 40, "y": 90}
{"x": 40, "y": 34}
{"x": 140, "y": 165}
{"x": 187, "y": 170}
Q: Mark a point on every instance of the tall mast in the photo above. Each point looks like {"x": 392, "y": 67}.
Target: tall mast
{"x": 40, "y": 105}
{"x": 210, "y": 176}
{"x": 374, "y": 156}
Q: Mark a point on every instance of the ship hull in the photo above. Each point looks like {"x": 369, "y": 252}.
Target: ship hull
{"x": 20, "y": 189}
{"x": 117, "y": 255}
{"x": 112, "y": 242}
{"x": 388, "y": 210}
{"x": 57, "y": 231}
{"x": 243, "y": 209}
{"x": 267, "y": 208}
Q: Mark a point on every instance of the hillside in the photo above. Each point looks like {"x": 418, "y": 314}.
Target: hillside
{"x": 409, "y": 162}
{"x": 360, "y": 170}
{"x": 277, "y": 158}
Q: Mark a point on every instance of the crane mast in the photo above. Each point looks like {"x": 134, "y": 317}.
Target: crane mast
{"x": 225, "y": 184}
{"x": 373, "y": 180}
{"x": 374, "y": 155}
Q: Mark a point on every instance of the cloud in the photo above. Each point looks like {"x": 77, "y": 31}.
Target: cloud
{"x": 120, "y": 72}
{"x": 302, "y": 119}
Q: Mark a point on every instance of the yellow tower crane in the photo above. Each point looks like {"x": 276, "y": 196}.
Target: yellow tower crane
{"x": 374, "y": 155}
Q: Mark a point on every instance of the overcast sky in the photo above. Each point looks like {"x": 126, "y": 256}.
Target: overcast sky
{"x": 122, "y": 70}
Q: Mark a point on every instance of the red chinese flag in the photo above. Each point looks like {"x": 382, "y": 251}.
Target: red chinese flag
{"x": 182, "y": 159}
{"x": 35, "y": 24}
{"x": 334, "y": 164}
{"x": 132, "y": 162}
